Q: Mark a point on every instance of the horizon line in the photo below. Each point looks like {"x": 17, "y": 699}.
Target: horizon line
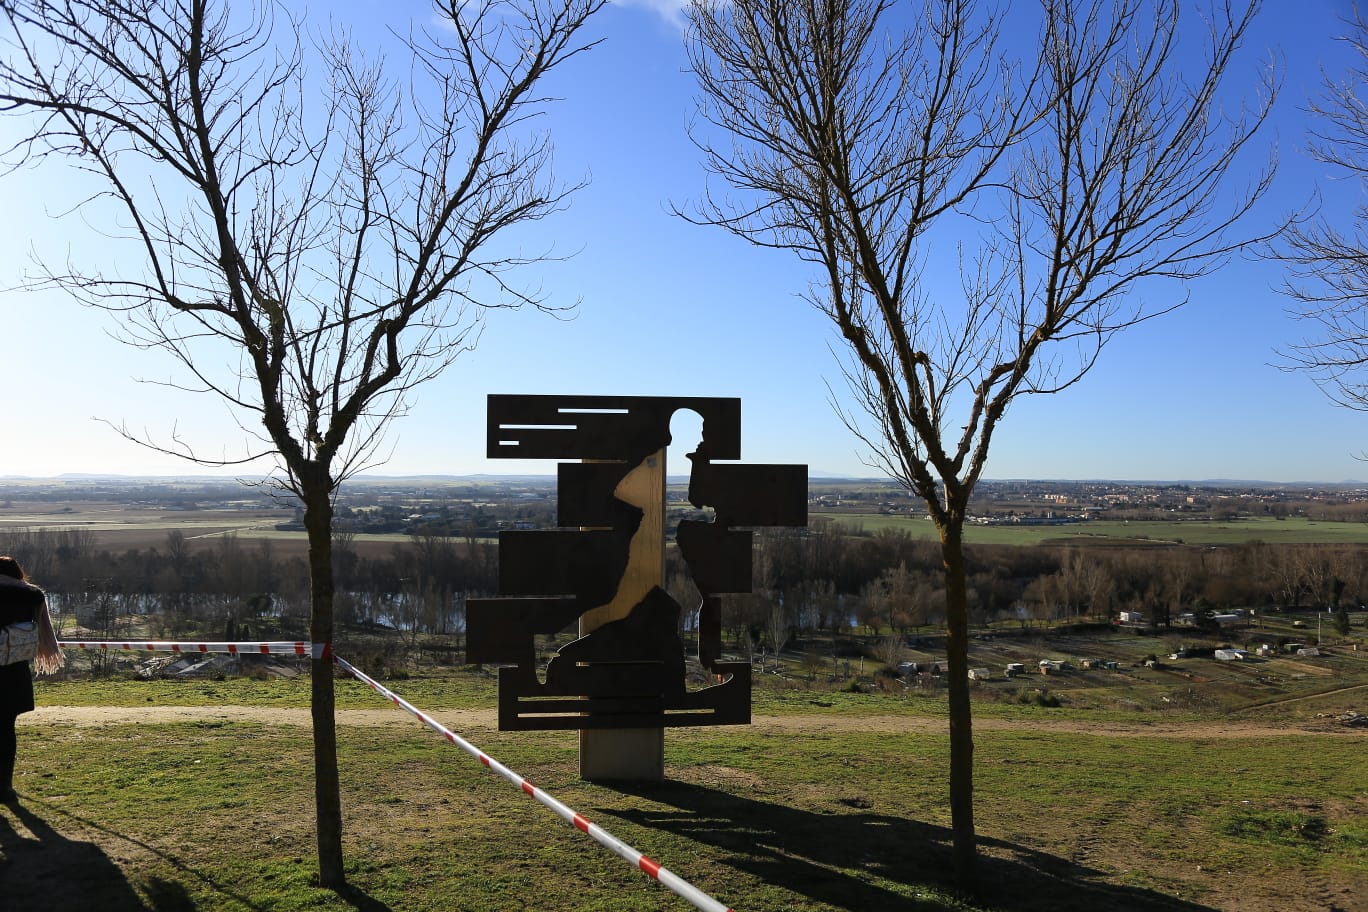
{"x": 674, "y": 479}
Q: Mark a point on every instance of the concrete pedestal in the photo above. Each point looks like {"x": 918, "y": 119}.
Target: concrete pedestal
{"x": 622, "y": 753}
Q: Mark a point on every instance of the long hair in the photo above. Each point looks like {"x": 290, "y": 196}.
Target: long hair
{"x": 49, "y": 657}
{"x": 10, "y": 567}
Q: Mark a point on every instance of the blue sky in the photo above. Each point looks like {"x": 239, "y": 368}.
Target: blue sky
{"x": 668, "y": 308}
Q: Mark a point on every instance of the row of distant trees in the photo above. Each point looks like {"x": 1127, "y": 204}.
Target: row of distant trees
{"x": 828, "y": 580}
{"x": 178, "y": 588}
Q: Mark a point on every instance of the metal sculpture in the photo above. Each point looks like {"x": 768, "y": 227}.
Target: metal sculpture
{"x": 627, "y": 669}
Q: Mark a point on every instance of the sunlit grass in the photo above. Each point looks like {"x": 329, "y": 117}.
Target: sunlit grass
{"x": 217, "y": 814}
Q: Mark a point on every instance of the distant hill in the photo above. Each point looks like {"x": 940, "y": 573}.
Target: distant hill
{"x": 816, "y": 476}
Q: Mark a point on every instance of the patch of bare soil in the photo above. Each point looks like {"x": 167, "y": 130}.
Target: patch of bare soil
{"x": 458, "y": 720}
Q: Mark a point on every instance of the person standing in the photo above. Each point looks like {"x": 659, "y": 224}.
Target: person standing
{"x": 21, "y": 602}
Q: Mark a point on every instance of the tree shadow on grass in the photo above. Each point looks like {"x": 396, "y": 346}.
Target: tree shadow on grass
{"x": 43, "y": 869}
{"x": 815, "y": 854}
{"x": 53, "y": 873}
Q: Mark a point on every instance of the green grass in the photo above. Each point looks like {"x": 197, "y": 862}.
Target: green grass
{"x": 216, "y": 815}
{"x": 438, "y": 690}
{"x": 1198, "y": 532}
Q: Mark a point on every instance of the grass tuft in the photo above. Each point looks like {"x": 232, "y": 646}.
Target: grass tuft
{"x": 1278, "y": 827}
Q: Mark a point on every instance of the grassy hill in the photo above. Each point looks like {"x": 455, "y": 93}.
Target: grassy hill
{"x": 1247, "y": 793}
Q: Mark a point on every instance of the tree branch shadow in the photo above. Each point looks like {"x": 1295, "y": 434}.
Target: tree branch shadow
{"x": 57, "y": 874}
{"x": 44, "y": 869}
{"x": 814, "y": 854}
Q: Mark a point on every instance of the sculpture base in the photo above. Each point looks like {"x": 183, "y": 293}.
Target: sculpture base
{"x": 636, "y": 754}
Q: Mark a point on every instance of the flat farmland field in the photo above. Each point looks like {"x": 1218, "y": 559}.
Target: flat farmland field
{"x": 1294, "y": 530}
{"x": 152, "y": 522}
{"x": 121, "y": 527}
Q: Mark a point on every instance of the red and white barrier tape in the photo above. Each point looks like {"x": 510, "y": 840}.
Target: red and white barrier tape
{"x": 654, "y": 869}
{"x": 665, "y": 876}
{"x": 299, "y": 649}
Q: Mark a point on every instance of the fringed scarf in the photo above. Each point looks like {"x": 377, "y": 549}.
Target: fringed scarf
{"x": 49, "y": 657}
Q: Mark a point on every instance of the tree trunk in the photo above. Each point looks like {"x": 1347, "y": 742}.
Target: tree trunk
{"x": 317, "y": 497}
{"x": 961, "y": 721}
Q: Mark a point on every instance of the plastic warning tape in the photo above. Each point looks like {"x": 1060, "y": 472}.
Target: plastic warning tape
{"x": 299, "y": 649}
{"x": 665, "y": 876}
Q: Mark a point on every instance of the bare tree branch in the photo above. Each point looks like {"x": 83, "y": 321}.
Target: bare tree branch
{"x": 1327, "y": 259}
{"x": 870, "y": 145}
{"x": 308, "y": 251}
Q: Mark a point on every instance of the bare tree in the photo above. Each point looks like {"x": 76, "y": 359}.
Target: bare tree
{"x": 1085, "y": 581}
{"x": 1175, "y": 583}
{"x": 332, "y": 238}
{"x": 1096, "y": 580}
{"x": 779, "y": 624}
{"x": 1059, "y": 186}
{"x": 906, "y": 607}
{"x": 890, "y": 650}
{"x": 1284, "y": 568}
{"x": 1327, "y": 263}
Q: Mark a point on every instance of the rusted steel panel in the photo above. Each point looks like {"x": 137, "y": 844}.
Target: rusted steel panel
{"x": 628, "y": 672}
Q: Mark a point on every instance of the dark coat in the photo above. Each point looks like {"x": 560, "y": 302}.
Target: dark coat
{"x": 19, "y": 602}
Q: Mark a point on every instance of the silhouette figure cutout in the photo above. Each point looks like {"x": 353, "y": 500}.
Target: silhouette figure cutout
{"x": 628, "y": 671}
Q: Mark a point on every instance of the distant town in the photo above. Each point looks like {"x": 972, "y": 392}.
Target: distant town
{"x": 483, "y": 505}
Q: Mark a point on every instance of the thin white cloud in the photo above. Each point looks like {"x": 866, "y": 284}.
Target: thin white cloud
{"x": 672, "y": 11}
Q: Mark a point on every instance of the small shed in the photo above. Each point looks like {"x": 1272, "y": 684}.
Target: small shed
{"x": 1230, "y": 655}
{"x": 202, "y": 666}
{"x": 980, "y": 674}
{"x": 1015, "y": 668}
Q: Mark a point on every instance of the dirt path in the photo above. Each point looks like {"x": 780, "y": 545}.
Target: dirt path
{"x": 1315, "y": 696}
{"x": 462, "y": 720}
